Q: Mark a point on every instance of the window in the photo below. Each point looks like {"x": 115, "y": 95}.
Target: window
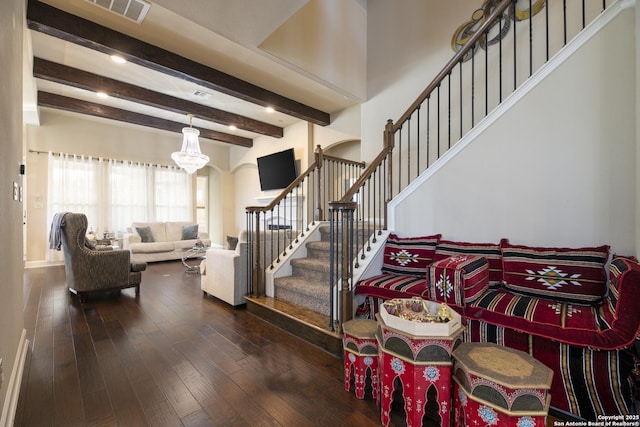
{"x": 113, "y": 194}
{"x": 129, "y": 194}
{"x": 173, "y": 195}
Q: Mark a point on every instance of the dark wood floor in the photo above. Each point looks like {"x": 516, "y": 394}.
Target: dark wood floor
{"x": 171, "y": 357}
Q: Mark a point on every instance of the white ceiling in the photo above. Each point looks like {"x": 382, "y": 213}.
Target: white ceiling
{"x": 224, "y": 35}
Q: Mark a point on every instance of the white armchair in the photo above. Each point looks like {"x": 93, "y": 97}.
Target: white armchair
{"x": 224, "y": 272}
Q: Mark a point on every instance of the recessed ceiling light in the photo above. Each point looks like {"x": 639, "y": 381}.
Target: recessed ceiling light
{"x": 232, "y": 127}
{"x": 119, "y": 59}
{"x": 102, "y": 95}
{"x": 269, "y": 109}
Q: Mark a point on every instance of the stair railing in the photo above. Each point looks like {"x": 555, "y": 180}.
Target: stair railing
{"x": 274, "y": 228}
{"x": 502, "y": 45}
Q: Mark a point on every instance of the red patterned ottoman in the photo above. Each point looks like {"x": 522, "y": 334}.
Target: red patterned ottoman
{"x": 458, "y": 280}
{"x": 499, "y": 386}
{"x": 360, "y": 355}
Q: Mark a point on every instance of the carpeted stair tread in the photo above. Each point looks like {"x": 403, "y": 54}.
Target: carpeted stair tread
{"x": 311, "y": 268}
{"x": 318, "y": 250}
{"x": 316, "y": 264}
{"x": 306, "y": 287}
{"x": 319, "y": 245}
{"x": 309, "y": 293}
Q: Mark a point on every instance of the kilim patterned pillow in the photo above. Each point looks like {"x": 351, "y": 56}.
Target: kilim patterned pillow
{"x": 560, "y": 274}
{"x": 458, "y": 280}
{"x": 490, "y": 251}
{"x": 409, "y": 255}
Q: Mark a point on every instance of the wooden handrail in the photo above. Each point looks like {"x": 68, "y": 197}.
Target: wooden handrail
{"x": 500, "y": 8}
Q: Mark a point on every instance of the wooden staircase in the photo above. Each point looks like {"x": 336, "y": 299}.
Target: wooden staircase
{"x": 301, "y": 302}
{"x": 300, "y": 305}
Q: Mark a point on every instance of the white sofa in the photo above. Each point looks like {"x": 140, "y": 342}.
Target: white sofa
{"x": 167, "y": 241}
{"x": 224, "y": 273}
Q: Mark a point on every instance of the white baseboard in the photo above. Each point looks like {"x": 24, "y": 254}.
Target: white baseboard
{"x": 37, "y": 264}
{"x": 11, "y": 401}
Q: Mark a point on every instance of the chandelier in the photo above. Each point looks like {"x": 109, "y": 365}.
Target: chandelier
{"x": 189, "y": 157}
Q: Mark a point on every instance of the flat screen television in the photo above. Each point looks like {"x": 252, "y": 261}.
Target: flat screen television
{"x": 277, "y": 170}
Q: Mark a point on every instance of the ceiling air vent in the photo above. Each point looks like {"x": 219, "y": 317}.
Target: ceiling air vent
{"x": 201, "y": 94}
{"x": 134, "y": 10}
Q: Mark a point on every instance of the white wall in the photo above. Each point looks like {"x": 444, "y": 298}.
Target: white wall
{"x": 558, "y": 169}
{"x": 11, "y": 151}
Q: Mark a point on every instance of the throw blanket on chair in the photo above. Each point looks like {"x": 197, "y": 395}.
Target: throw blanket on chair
{"x": 55, "y": 234}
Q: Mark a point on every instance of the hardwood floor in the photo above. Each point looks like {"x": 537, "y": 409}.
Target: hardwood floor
{"x": 171, "y": 357}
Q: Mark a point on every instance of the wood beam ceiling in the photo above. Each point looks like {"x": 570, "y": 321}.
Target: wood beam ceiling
{"x": 63, "y": 74}
{"x": 46, "y": 99}
{"x": 54, "y": 22}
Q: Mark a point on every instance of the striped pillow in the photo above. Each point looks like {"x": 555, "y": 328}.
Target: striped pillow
{"x": 560, "y": 274}
{"x": 409, "y": 255}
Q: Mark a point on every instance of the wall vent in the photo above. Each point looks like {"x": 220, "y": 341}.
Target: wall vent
{"x": 134, "y": 10}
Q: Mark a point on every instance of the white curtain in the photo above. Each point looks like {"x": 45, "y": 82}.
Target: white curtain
{"x": 173, "y": 199}
{"x": 129, "y": 189}
{"x": 72, "y": 188}
{"x": 113, "y": 194}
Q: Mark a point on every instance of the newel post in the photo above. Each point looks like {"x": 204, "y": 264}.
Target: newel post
{"x": 319, "y": 157}
{"x": 258, "y": 271}
{"x": 341, "y": 254}
{"x": 389, "y": 143}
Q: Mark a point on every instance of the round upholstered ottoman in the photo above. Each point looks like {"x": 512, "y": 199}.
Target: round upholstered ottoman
{"x": 360, "y": 355}
{"x": 496, "y": 385}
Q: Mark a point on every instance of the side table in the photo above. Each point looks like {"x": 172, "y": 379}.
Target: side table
{"x": 420, "y": 367}
{"x": 496, "y": 385}
{"x": 360, "y": 356}
{"x": 194, "y": 252}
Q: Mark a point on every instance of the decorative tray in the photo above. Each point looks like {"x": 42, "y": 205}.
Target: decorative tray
{"x": 420, "y": 317}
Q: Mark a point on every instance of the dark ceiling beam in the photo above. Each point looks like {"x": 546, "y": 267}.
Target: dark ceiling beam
{"x": 69, "y": 76}
{"x": 55, "y": 22}
{"x": 46, "y": 99}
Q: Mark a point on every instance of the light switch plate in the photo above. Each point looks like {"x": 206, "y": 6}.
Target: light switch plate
{"x": 15, "y": 191}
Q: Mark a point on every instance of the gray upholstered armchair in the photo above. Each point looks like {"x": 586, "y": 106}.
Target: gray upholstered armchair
{"x": 89, "y": 270}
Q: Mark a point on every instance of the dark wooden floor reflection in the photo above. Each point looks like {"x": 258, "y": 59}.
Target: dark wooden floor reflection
{"x": 169, "y": 358}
